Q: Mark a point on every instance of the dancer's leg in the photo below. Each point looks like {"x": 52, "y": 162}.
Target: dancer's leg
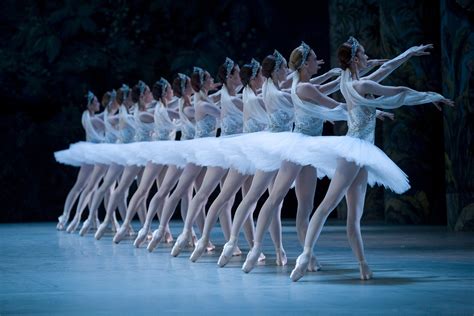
{"x": 211, "y": 180}
{"x": 232, "y": 184}
{"x": 260, "y": 183}
{"x": 151, "y": 172}
{"x": 191, "y": 171}
{"x": 343, "y": 177}
{"x": 86, "y": 196}
{"x": 157, "y": 202}
{"x": 81, "y": 182}
{"x": 117, "y": 198}
{"x": 113, "y": 173}
{"x": 305, "y": 190}
{"x": 283, "y": 181}
{"x": 355, "y": 198}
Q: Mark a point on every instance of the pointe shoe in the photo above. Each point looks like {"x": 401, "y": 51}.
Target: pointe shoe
{"x": 86, "y": 226}
{"x": 281, "y": 259}
{"x": 180, "y": 243}
{"x": 131, "y": 231}
{"x": 262, "y": 257}
{"x": 115, "y": 225}
{"x": 100, "y": 231}
{"x": 237, "y": 252}
{"x": 120, "y": 234}
{"x": 226, "y": 254}
{"x": 61, "y": 223}
{"x": 142, "y": 235}
{"x": 365, "y": 272}
{"x": 199, "y": 250}
{"x": 210, "y": 246}
{"x": 314, "y": 265}
{"x": 168, "y": 236}
{"x": 73, "y": 225}
{"x": 252, "y": 258}
{"x": 301, "y": 266}
{"x": 155, "y": 240}
{"x": 96, "y": 224}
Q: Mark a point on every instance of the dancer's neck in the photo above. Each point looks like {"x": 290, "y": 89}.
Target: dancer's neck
{"x": 230, "y": 88}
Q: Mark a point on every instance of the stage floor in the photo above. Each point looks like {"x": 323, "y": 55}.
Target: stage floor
{"x": 418, "y": 270}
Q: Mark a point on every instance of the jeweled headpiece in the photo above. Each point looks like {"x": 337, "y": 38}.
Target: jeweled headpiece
{"x": 279, "y": 60}
{"x": 229, "y": 65}
{"x": 201, "y": 73}
{"x": 182, "y": 81}
{"x": 354, "y": 46}
{"x": 255, "y": 65}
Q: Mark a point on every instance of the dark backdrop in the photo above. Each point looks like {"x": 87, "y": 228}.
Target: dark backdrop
{"x": 52, "y": 52}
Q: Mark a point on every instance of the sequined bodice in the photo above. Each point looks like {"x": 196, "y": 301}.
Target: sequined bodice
{"x": 206, "y": 127}
{"x": 164, "y": 129}
{"x": 280, "y": 121}
{"x": 306, "y": 123}
{"x": 231, "y": 125}
{"x": 111, "y": 136}
{"x": 361, "y": 122}
{"x": 127, "y": 134}
{"x": 144, "y": 131}
{"x": 252, "y": 126}
{"x": 187, "y": 131}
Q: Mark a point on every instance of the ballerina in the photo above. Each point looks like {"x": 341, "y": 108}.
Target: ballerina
{"x": 154, "y": 170}
{"x": 308, "y": 122}
{"x": 94, "y": 128}
{"x": 127, "y": 130}
{"x": 100, "y": 169}
{"x": 255, "y": 119}
{"x": 183, "y": 90}
{"x": 206, "y": 115}
{"x": 231, "y": 123}
{"x": 351, "y": 176}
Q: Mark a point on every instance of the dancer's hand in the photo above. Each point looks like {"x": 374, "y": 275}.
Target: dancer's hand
{"x": 334, "y": 72}
{"x": 420, "y": 50}
{"x": 216, "y": 86}
{"x": 382, "y": 115}
{"x": 375, "y": 62}
{"x": 444, "y": 101}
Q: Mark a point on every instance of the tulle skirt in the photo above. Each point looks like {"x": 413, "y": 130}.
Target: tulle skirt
{"x": 248, "y": 153}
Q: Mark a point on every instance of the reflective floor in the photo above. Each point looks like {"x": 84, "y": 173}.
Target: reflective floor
{"x": 417, "y": 271}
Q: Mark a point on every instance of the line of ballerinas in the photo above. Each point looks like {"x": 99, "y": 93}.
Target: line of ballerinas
{"x": 271, "y": 140}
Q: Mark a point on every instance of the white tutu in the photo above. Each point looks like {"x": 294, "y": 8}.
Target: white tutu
{"x": 247, "y": 153}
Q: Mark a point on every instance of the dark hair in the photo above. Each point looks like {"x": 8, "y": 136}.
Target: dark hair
{"x": 121, "y": 96}
{"x": 222, "y": 72}
{"x": 268, "y": 66}
{"x": 136, "y": 93}
{"x": 158, "y": 90}
{"x": 246, "y": 74}
{"x": 177, "y": 86}
{"x": 106, "y": 99}
{"x": 196, "y": 81}
{"x": 344, "y": 54}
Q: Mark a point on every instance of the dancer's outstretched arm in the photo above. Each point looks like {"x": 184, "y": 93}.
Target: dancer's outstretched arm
{"x": 387, "y": 68}
{"x": 309, "y": 93}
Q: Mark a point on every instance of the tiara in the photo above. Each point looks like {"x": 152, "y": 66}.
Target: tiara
{"x": 125, "y": 89}
{"x": 90, "y": 97}
{"x": 141, "y": 87}
{"x": 255, "y": 65}
{"x": 229, "y": 65}
{"x": 164, "y": 84}
{"x": 182, "y": 81}
{"x": 354, "y": 46}
{"x": 279, "y": 60}
{"x": 305, "y": 52}
{"x": 201, "y": 73}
